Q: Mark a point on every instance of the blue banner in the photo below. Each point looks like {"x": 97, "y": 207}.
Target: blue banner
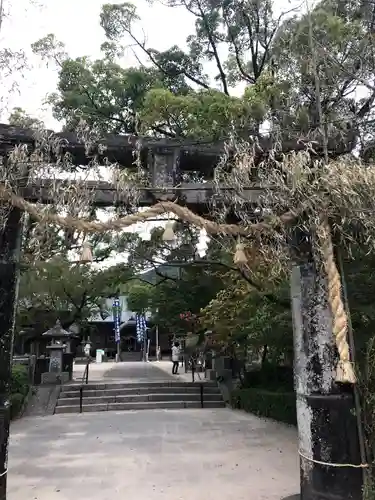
{"x": 141, "y": 327}
{"x": 117, "y": 319}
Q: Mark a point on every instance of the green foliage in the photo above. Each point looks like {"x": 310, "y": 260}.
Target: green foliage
{"x": 49, "y": 48}
{"x": 190, "y": 293}
{"x": 271, "y": 377}
{"x": 247, "y": 320}
{"x": 19, "y": 389}
{"x": 247, "y": 46}
{"x": 178, "y": 281}
{"x": 359, "y": 272}
{"x": 19, "y": 118}
{"x": 20, "y": 380}
{"x": 139, "y": 296}
{"x": 207, "y": 114}
{"x": 102, "y": 93}
{"x": 360, "y": 282}
{"x": 58, "y": 286}
{"x": 16, "y": 403}
{"x": 263, "y": 403}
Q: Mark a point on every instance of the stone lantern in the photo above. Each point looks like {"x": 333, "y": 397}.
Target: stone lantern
{"x": 59, "y": 339}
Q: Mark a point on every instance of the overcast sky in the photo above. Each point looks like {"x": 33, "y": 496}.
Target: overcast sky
{"x": 76, "y": 24}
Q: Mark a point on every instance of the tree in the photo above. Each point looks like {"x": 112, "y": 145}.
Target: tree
{"x": 178, "y": 288}
{"x": 183, "y": 281}
{"x": 19, "y": 118}
{"x": 102, "y": 93}
{"x": 248, "y": 323}
{"x": 139, "y": 296}
{"x": 270, "y": 55}
{"x": 59, "y": 287}
{"x": 189, "y": 293}
{"x": 251, "y": 47}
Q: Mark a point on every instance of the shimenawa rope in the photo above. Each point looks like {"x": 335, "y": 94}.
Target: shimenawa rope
{"x": 332, "y": 464}
{"x": 182, "y": 213}
{"x": 344, "y": 371}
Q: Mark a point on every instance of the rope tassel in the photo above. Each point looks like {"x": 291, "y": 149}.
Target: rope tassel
{"x": 168, "y": 235}
{"x": 86, "y": 255}
{"x": 344, "y": 371}
{"x": 239, "y": 257}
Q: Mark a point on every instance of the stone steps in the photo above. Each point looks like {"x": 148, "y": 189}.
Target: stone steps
{"x": 136, "y": 391}
{"x": 140, "y": 396}
{"x": 139, "y": 385}
{"x": 146, "y": 405}
{"x": 136, "y": 398}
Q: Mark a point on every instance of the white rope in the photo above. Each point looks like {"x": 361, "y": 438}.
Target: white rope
{"x": 3, "y": 473}
{"x": 329, "y": 464}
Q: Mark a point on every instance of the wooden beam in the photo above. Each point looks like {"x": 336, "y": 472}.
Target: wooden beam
{"x": 112, "y": 148}
{"x": 105, "y": 194}
{"x": 193, "y": 155}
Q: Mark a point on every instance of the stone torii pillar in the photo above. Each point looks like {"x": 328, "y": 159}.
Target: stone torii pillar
{"x": 327, "y": 426}
{"x": 10, "y": 244}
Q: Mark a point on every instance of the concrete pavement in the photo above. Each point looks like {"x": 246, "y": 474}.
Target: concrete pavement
{"x": 134, "y": 371}
{"x": 166, "y": 367}
{"x": 152, "y": 455}
{"x": 126, "y": 371}
{"x": 210, "y": 454}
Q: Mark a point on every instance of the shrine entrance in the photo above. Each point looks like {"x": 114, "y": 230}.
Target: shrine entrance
{"x": 319, "y": 314}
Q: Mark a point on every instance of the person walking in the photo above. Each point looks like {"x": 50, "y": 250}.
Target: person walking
{"x": 175, "y": 357}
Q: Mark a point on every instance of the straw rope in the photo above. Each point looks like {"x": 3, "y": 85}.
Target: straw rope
{"x": 344, "y": 371}
{"x": 181, "y": 212}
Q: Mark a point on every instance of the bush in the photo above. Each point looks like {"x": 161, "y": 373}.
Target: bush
{"x": 16, "y": 403}
{"x": 272, "y": 377}
{"x": 280, "y": 406}
{"x": 19, "y": 389}
{"x": 20, "y": 380}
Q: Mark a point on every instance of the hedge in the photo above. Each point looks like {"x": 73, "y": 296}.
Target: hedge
{"x": 270, "y": 377}
{"x": 19, "y": 389}
{"x": 280, "y": 406}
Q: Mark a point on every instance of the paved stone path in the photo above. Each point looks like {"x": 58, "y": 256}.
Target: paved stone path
{"x": 138, "y": 371}
{"x": 152, "y": 455}
{"x": 127, "y": 371}
{"x": 166, "y": 366}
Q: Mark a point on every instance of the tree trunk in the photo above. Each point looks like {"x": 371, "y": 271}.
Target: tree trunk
{"x": 10, "y": 244}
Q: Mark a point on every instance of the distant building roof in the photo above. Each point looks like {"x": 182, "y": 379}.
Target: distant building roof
{"x": 153, "y": 277}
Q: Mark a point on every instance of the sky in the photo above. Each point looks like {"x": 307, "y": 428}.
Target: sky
{"x": 76, "y": 24}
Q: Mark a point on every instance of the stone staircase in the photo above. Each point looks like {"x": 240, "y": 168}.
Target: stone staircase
{"x": 138, "y": 396}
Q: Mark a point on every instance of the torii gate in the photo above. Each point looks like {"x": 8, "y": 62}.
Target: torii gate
{"x": 328, "y": 431}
